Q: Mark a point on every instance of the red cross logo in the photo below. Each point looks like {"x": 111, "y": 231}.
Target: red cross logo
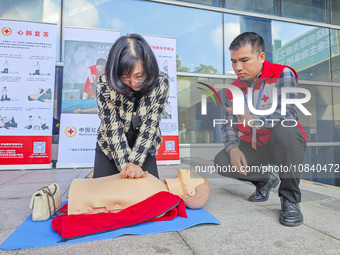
{"x": 71, "y": 97}
{"x": 70, "y": 131}
{"x": 6, "y": 31}
{"x": 265, "y": 98}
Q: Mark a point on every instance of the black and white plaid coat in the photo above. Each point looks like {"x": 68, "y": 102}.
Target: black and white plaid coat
{"x": 115, "y": 112}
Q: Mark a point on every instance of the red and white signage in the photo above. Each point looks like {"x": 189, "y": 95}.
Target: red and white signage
{"x": 27, "y": 69}
{"x": 164, "y": 49}
{"x": 83, "y": 50}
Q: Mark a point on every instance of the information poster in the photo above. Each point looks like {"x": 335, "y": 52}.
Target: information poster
{"x": 85, "y": 56}
{"x": 164, "y": 49}
{"x": 27, "y": 69}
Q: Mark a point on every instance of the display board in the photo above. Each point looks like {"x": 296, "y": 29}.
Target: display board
{"x": 85, "y": 55}
{"x": 27, "y": 70}
{"x": 164, "y": 49}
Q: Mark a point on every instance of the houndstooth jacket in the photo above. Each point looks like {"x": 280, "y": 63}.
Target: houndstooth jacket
{"x": 115, "y": 112}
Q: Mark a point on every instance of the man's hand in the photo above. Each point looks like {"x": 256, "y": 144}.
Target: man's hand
{"x": 133, "y": 171}
{"x": 237, "y": 159}
{"x": 246, "y": 116}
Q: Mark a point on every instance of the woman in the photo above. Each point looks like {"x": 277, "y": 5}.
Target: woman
{"x": 131, "y": 97}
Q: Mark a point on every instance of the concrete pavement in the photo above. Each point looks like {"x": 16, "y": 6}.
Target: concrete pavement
{"x": 247, "y": 228}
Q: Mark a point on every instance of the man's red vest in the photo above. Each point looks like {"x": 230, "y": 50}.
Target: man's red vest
{"x": 270, "y": 73}
{"x": 88, "y": 87}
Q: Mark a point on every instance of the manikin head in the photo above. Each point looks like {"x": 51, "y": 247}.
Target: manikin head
{"x": 191, "y": 187}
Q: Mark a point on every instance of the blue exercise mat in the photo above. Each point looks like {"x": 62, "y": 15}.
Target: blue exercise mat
{"x": 31, "y": 234}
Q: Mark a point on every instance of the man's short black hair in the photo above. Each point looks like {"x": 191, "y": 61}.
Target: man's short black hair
{"x": 124, "y": 55}
{"x": 252, "y": 38}
{"x": 101, "y": 62}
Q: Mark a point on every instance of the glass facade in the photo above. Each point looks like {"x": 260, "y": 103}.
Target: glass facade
{"x": 335, "y": 12}
{"x": 217, "y": 3}
{"x": 196, "y": 31}
{"x": 313, "y": 10}
{"x": 203, "y": 37}
{"x": 264, "y": 6}
{"x": 194, "y": 126}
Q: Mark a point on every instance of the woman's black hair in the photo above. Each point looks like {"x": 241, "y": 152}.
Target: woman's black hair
{"x": 124, "y": 56}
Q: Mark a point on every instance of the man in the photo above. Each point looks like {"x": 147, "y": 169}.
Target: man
{"x": 4, "y": 96}
{"x": 30, "y": 122}
{"x": 168, "y": 110}
{"x": 271, "y": 143}
{"x": 37, "y": 69}
{"x": 41, "y": 95}
{"x": 93, "y": 73}
{"x": 6, "y": 67}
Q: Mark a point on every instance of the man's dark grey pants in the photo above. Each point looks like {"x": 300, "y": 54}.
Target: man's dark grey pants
{"x": 285, "y": 149}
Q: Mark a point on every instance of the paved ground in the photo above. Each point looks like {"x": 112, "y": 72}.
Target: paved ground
{"x": 247, "y": 228}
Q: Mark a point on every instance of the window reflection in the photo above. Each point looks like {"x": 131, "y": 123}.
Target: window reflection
{"x": 193, "y": 125}
{"x": 263, "y": 6}
{"x": 319, "y": 126}
{"x": 335, "y": 15}
{"x": 198, "y": 32}
{"x": 234, "y": 25}
{"x": 336, "y": 100}
{"x": 306, "y": 10}
{"x": 304, "y": 48}
{"x": 335, "y": 53}
{"x": 217, "y": 3}
{"x": 317, "y": 157}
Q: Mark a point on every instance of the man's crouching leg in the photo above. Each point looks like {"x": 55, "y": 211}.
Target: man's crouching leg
{"x": 263, "y": 180}
{"x": 288, "y": 147}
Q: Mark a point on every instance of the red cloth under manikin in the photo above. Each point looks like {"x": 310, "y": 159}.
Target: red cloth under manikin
{"x": 148, "y": 210}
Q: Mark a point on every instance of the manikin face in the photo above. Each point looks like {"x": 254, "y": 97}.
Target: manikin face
{"x": 136, "y": 77}
{"x": 246, "y": 64}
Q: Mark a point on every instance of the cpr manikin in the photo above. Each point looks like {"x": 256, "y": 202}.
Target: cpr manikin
{"x": 191, "y": 187}
{"x": 114, "y": 193}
